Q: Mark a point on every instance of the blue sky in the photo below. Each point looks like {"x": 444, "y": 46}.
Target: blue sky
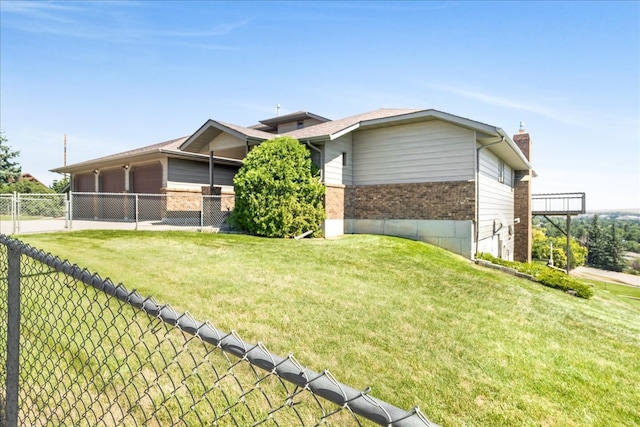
{"x": 115, "y": 75}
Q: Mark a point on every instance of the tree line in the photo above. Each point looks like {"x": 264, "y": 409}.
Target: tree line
{"x": 599, "y": 242}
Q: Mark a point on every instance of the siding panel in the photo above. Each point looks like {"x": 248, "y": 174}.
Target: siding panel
{"x": 335, "y": 171}
{"x": 421, "y": 152}
{"x": 186, "y": 171}
{"x": 224, "y": 140}
{"x": 496, "y": 207}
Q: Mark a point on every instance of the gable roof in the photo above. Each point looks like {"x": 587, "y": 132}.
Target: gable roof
{"x": 212, "y": 128}
{"x": 169, "y": 148}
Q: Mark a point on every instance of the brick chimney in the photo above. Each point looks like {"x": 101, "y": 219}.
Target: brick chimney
{"x": 522, "y": 201}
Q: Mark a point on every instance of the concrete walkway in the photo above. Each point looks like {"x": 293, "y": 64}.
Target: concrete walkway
{"x": 606, "y": 276}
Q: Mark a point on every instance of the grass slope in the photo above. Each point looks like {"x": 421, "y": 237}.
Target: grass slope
{"x": 470, "y": 346}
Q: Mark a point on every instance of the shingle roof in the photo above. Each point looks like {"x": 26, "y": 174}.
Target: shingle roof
{"x": 171, "y": 145}
{"x": 255, "y": 133}
{"x": 298, "y": 115}
{"x": 330, "y": 128}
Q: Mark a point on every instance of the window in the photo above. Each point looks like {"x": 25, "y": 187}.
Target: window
{"x": 344, "y": 159}
{"x": 500, "y": 171}
{"x": 300, "y": 124}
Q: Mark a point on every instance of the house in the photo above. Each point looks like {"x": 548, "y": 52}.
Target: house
{"x": 422, "y": 174}
{"x": 155, "y": 169}
{"x": 31, "y": 178}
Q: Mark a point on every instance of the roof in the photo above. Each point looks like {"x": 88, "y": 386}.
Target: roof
{"x": 169, "y": 148}
{"x": 328, "y": 129}
{"x": 212, "y": 128}
{"x": 28, "y": 177}
{"x": 494, "y": 138}
{"x": 291, "y": 117}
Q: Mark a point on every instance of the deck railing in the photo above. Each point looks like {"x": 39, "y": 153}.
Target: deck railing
{"x": 558, "y": 204}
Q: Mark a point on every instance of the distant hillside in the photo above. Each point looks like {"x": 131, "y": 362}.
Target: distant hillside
{"x": 614, "y": 211}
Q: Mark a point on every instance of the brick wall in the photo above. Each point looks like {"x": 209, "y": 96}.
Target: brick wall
{"x": 227, "y": 198}
{"x": 334, "y": 201}
{"x": 454, "y": 200}
{"x": 522, "y": 210}
{"x": 182, "y": 200}
{"x": 522, "y": 203}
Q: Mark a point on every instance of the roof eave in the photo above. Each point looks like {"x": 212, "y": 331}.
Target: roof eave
{"x": 526, "y": 165}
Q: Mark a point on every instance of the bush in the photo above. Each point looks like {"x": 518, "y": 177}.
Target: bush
{"x": 545, "y": 275}
{"x": 277, "y": 193}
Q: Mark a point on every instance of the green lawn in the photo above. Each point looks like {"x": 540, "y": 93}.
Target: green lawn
{"x": 421, "y": 326}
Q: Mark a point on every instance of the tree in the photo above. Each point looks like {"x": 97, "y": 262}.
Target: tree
{"x": 9, "y": 169}
{"x": 542, "y": 245}
{"x": 605, "y": 246}
{"x": 277, "y": 193}
{"x": 25, "y": 186}
{"x": 595, "y": 244}
{"x": 614, "y": 259}
{"x": 59, "y": 186}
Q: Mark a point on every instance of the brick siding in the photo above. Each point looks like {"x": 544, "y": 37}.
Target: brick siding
{"x": 334, "y": 201}
{"x": 522, "y": 203}
{"x": 522, "y": 210}
{"x": 453, "y": 200}
{"x": 183, "y": 200}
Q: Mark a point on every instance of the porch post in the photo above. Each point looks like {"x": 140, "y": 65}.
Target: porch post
{"x": 211, "y": 169}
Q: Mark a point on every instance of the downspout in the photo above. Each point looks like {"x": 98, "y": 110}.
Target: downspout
{"x": 313, "y": 147}
{"x": 477, "y": 230}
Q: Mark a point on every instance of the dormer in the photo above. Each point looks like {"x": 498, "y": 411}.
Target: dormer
{"x": 290, "y": 122}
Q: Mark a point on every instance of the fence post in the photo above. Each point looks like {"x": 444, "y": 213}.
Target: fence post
{"x": 14, "y": 213}
{"x": 136, "y": 211}
{"x": 70, "y": 210}
{"x": 202, "y": 213}
{"x": 13, "y": 338}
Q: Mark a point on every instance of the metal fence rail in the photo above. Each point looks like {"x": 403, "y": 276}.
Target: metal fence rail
{"x": 29, "y": 213}
{"x": 558, "y": 204}
{"x": 91, "y": 352}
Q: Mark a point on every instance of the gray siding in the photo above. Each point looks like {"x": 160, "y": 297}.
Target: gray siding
{"x": 225, "y": 141}
{"x": 187, "y": 171}
{"x": 495, "y": 198}
{"x": 421, "y": 152}
{"x": 335, "y": 171}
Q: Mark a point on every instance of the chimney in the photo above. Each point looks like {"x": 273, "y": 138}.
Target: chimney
{"x": 522, "y": 201}
{"x": 523, "y": 141}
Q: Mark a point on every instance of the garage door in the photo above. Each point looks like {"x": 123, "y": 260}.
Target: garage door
{"x": 84, "y": 182}
{"x": 112, "y": 181}
{"x": 147, "y": 179}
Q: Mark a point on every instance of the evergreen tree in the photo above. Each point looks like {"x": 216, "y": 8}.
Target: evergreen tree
{"x": 606, "y": 249}
{"x": 595, "y": 243}
{"x": 614, "y": 250}
{"x": 9, "y": 170}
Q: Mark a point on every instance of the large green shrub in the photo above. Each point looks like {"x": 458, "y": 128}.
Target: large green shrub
{"x": 277, "y": 194}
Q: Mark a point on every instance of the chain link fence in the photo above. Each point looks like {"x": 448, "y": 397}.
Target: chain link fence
{"x": 81, "y": 350}
{"x": 29, "y": 213}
